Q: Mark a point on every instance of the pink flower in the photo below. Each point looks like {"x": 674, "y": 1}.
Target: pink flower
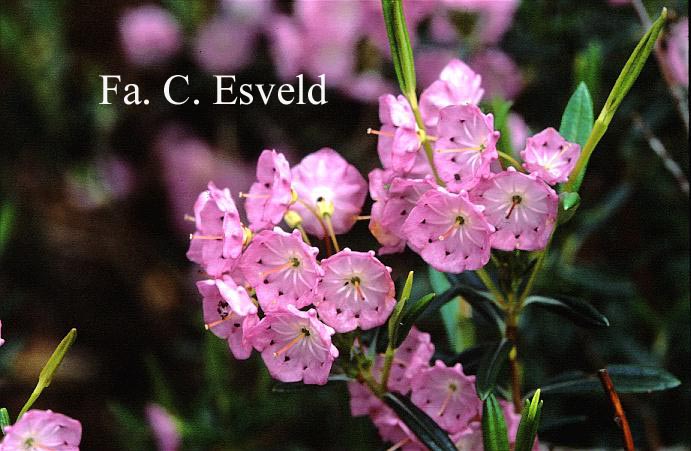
{"x": 494, "y": 17}
{"x": 163, "y": 426}
{"x": 429, "y": 62}
{"x": 362, "y": 400}
{"x": 398, "y": 141}
{"x": 518, "y": 129}
{"x": 677, "y": 51}
{"x": 326, "y": 184}
{"x": 466, "y": 147}
{"x": 446, "y": 395}
{"x": 395, "y": 197}
{"x": 457, "y": 85}
{"x": 270, "y": 196}
{"x": 550, "y": 156}
{"x": 286, "y": 46}
{"x": 522, "y": 208}
{"x": 295, "y": 345}
{"x": 501, "y": 77}
{"x": 393, "y": 430}
{"x": 356, "y": 291}
{"x": 469, "y": 438}
{"x": 43, "y": 430}
{"x": 219, "y": 238}
{"x": 409, "y": 359}
{"x": 281, "y": 268}
{"x": 451, "y": 233}
{"x": 150, "y": 35}
{"x": 224, "y": 45}
{"x": 228, "y": 313}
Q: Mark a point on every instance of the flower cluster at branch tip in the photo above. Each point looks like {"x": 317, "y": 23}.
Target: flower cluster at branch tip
{"x": 271, "y": 290}
{"x": 39, "y": 430}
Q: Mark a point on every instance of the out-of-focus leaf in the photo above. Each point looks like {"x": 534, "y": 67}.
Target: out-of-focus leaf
{"x": 216, "y": 373}
{"x": 494, "y": 435}
{"x": 577, "y": 310}
{"x": 6, "y": 222}
{"x": 577, "y": 120}
{"x": 459, "y": 330}
{"x": 49, "y": 369}
{"x": 587, "y": 67}
{"x": 135, "y": 432}
{"x": 500, "y": 109}
{"x": 626, "y": 379}
{"x": 297, "y": 387}
{"x": 530, "y": 421}
{"x": 490, "y": 366}
{"x": 410, "y": 316}
{"x": 470, "y": 358}
{"x": 163, "y": 394}
{"x": 424, "y": 428}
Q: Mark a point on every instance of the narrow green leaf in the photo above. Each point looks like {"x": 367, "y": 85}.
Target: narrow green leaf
{"x": 626, "y": 379}
{"x": 395, "y": 318}
{"x": 480, "y": 301}
{"x": 568, "y": 204}
{"x": 7, "y": 214}
{"x": 577, "y": 120}
{"x": 494, "y": 435}
{"x": 470, "y": 358}
{"x": 399, "y": 42}
{"x": 530, "y": 421}
{"x": 424, "y": 428}
{"x": 627, "y": 77}
{"x": 500, "y": 109}
{"x": 579, "y": 311}
{"x": 410, "y": 316}
{"x": 4, "y": 419}
{"x": 49, "y": 369}
{"x": 490, "y": 366}
{"x": 451, "y": 313}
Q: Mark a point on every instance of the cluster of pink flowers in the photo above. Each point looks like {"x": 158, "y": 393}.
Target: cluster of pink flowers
{"x": 477, "y": 205}
{"x": 444, "y": 393}
{"x": 268, "y": 290}
{"x": 316, "y": 40}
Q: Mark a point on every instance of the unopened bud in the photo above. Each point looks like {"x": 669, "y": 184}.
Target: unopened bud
{"x": 293, "y": 219}
{"x": 325, "y": 208}
{"x": 246, "y": 235}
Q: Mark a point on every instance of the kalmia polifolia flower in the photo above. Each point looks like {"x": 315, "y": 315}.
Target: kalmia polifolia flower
{"x": 295, "y": 345}
{"x": 150, "y": 35}
{"x": 228, "y": 313}
{"x": 164, "y": 428}
{"x": 521, "y": 207}
{"x": 466, "y": 146}
{"x": 271, "y": 195}
{"x": 394, "y": 197}
{"x": 677, "y": 52}
{"x": 411, "y": 357}
{"x": 447, "y": 395}
{"x": 450, "y": 232}
{"x": 500, "y": 75}
{"x": 392, "y": 429}
{"x": 39, "y": 430}
{"x": 219, "y": 238}
{"x": 281, "y": 268}
{"x": 356, "y": 291}
{"x": 399, "y": 141}
{"x": 549, "y": 156}
{"x": 327, "y": 185}
{"x": 458, "y": 84}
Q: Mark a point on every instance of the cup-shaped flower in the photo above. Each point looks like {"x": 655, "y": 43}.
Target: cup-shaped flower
{"x": 458, "y": 84}
{"x": 392, "y": 429}
{"x": 270, "y": 196}
{"x": 447, "y": 395}
{"x": 228, "y": 313}
{"x": 450, "y": 232}
{"x": 411, "y": 357}
{"x": 295, "y": 345}
{"x": 326, "y": 184}
{"x": 43, "y": 430}
{"x": 399, "y": 141}
{"x": 521, "y": 207}
{"x": 549, "y": 156}
{"x": 356, "y": 291}
{"x": 466, "y": 147}
{"x": 394, "y": 197}
{"x": 281, "y": 268}
{"x": 218, "y": 241}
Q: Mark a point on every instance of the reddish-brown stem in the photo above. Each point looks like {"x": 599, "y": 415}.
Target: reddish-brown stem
{"x": 514, "y": 367}
{"x": 620, "y": 416}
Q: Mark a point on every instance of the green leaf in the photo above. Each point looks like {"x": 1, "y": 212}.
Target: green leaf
{"x": 409, "y": 318}
{"x": 470, "y": 358}
{"x": 399, "y": 42}
{"x": 7, "y": 214}
{"x": 480, "y": 301}
{"x": 530, "y": 421}
{"x": 494, "y": 435}
{"x": 626, "y": 379}
{"x": 424, "y": 428}
{"x": 490, "y": 366}
{"x": 451, "y": 314}
{"x": 500, "y": 109}
{"x": 577, "y": 310}
{"x": 568, "y": 204}
{"x": 394, "y": 319}
{"x": 4, "y": 419}
{"x": 627, "y": 77}
{"x": 49, "y": 369}
{"x": 588, "y": 66}
{"x": 577, "y": 120}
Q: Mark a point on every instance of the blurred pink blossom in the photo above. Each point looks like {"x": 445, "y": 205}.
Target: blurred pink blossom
{"x": 150, "y": 35}
{"x": 224, "y": 45}
{"x": 678, "y": 52}
{"x": 163, "y": 426}
{"x": 500, "y": 75}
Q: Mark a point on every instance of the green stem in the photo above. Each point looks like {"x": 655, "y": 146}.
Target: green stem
{"x": 386, "y": 371}
{"x": 511, "y": 160}
{"x": 599, "y": 129}
{"x": 489, "y": 283}
{"x": 412, "y": 99}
